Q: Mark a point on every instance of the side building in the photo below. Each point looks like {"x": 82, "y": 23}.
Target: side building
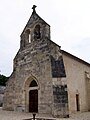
{"x": 78, "y": 82}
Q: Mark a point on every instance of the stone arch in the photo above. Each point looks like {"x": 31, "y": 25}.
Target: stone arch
{"x": 28, "y": 82}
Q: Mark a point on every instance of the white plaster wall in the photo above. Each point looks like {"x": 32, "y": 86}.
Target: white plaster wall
{"x": 76, "y": 82}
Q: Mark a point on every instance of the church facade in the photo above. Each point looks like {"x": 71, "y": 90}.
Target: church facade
{"x": 46, "y": 79}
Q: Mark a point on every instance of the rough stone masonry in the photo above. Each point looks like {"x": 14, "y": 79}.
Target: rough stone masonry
{"x": 36, "y": 83}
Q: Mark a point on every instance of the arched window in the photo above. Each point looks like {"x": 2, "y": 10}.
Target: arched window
{"x": 37, "y": 32}
{"x": 28, "y": 36}
{"x": 33, "y": 84}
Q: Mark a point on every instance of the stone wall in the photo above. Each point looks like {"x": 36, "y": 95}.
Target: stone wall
{"x": 60, "y": 95}
{"x": 2, "y": 90}
{"x": 34, "y": 61}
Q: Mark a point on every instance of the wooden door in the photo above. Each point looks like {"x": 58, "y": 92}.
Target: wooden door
{"x": 77, "y": 103}
{"x": 33, "y": 101}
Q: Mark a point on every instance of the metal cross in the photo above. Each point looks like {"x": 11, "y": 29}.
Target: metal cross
{"x": 34, "y": 6}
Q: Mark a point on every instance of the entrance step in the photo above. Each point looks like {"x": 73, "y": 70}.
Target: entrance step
{"x": 40, "y": 117}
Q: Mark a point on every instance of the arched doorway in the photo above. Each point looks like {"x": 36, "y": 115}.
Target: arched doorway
{"x": 33, "y": 97}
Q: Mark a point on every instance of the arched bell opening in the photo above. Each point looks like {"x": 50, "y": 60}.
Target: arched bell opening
{"x": 28, "y": 36}
{"x": 37, "y": 34}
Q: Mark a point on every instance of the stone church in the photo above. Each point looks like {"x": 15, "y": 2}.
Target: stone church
{"x": 46, "y": 79}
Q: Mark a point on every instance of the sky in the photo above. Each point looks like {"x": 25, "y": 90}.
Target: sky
{"x": 69, "y": 21}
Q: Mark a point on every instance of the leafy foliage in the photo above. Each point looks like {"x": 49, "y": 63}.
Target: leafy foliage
{"x": 3, "y": 80}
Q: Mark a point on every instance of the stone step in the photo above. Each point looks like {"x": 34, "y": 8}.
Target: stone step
{"x": 39, "y": 119}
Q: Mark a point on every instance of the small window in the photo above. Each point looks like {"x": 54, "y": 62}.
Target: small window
{"x": 33, "y": 84}
{"x": 28, "y": 36}
{"x": 37, "y": 32}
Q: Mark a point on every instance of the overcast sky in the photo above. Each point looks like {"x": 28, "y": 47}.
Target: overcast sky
{"x": 69, "y": 21}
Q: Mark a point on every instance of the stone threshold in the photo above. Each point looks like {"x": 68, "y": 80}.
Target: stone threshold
{"x": 39, "y": 119}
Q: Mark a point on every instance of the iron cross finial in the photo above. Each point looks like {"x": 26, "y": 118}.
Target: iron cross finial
{"x": 34, "y": 6}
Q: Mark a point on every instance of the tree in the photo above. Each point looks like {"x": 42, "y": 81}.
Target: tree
{"x": 3, "y": 80}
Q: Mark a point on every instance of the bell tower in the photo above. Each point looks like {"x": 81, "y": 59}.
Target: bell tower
{"x": 36, "y": 29}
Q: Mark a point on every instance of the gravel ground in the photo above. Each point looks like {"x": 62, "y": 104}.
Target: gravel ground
{"x": 10, "y": 115}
